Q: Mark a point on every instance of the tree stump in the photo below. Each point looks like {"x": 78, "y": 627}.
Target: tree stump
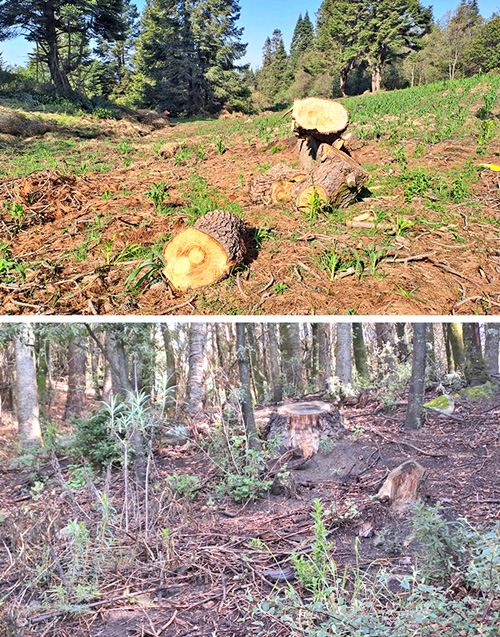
{"x": 336, "y": 180}
{"x": 276, "y": 185}
{"x": 205, "y": 253}
{"x": 321, "y": 119}
{"x": 402, "y": 486}
{"x": 302, "y": 425}
{"x": 308, "y": 150}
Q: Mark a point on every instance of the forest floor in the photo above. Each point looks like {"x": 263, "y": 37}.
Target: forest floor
{"x": 86, "y": 210}
{"x": 204, "y": 566}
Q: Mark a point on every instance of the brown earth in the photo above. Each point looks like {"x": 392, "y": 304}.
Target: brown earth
{"x": 441, "y": 271}
{"x": 214, "y": 568}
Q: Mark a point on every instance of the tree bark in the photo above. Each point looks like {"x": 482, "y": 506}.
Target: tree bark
{"x": 42, "y": 371}
{"x": 324, "y": 355}
{"x": 291, "y": 357}
{"x": 456, "y": 339}
{"x": 28, "y": 413}
{"x": 403, "y": 352}
{"x": 276, "y": 384}
{"x": 491, "y": 345}
{"x": 205, "y": 253}
{"x": 386, "y": 346}
{"x": 360, "y": 357}
{"x": 417, "y": 382}
{"x": 171, "y": 368}
{"x": 275, "y": 186}
{"x": 246, "y": 400}
{"x": 475, "y": 369}
{"x": 343, "y": 359}
{"x": 77, "y": 366}
{"x": 259, "y": 380}
{"x": 195, "y": 390}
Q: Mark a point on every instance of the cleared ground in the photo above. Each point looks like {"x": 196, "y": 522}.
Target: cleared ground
{"x": 86, "y": 209}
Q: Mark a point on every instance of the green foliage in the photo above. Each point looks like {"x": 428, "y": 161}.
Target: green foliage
{"x": 183, "y": 485}
{"x": 158, "y": 193}
{"x": 94, "y": 440}
{"x": 105, "y": 113}
{"x": 487, "y": 390}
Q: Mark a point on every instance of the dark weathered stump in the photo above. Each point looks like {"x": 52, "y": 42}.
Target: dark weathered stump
{"x": 302, "y": 425}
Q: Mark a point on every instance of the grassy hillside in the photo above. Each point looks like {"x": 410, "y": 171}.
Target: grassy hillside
{"x": 87, "y": 207}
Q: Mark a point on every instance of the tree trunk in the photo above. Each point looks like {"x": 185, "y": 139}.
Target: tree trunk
{"x": 417, "y": 382}
{"x": 403, "y": 352}
{"x": 475, "y": 369}
{"x": 386, "y": 347}
{"x": 376, "y": 78}
{"x": 42, "y": 371}
{"x": 205, "y": 253}
{"x": 195, "y": 390}
{"x": 28, "y": 414}
{"x": 246, "y": 399}
{"x": 360, "y": 357}
{"x": 302, "y": 425}
{"x": 314, "y": 363}
{"x": 336, "y": 180}
{"x": 276, "y": 384}
{"x": 275, "y": 186}
{"x": 324, "y": 355}
{"x": 449, "y": 351}
{"x": 343, "y": 359}
{"x": 343, "y": 80}
{"x": 456, "y": 338}
{"x": 291, "y": 357}
{"x": 77, "y": 363}
{"x": 258, "y": 378}
{"x": 319, "y": 118}
{"x": 491, "y": 345}
{"x": 171, "y": 368}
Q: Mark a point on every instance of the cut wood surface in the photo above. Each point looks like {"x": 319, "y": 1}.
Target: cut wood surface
{"x": 402, "y": 486}
{"x": 205, "y": 253}
{"x": 308, "y": 149}
{"x": 319, "y": 118}
{"x": 336, "y": 180}
{"x": 302, "y": 425}
{"x": 276, "y": 185}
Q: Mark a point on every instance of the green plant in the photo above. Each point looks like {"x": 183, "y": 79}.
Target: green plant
{"x": 220, "y": 145}
{"x": 409, "y": 294}
{"x": 94, "y": 440}
{"x": 78, "y": 476}
{"x": 281, "y": 287}
{"x": 105, "y": 113}
{"x": 124, "y": 148}
{"x": 149, "y": 271}
{"x": 183, "y": 485}
{"x": 403, "y": 225}
{"x": 158, "y": 193}
{"x": 16, "y": 210}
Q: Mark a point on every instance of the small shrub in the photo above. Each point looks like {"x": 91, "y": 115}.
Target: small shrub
{"x": 105, "y": 113}
{"x": 183, "y": 485}
{"x": 94, "y": 440}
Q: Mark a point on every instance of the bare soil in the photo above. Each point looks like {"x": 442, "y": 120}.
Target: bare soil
{"x": 81, "y": 236}
{"x": 215, "y": 568}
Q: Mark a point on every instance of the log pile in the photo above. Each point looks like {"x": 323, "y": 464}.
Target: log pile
{"x": 329, "y": 174}
{"x": 300, "y": 426}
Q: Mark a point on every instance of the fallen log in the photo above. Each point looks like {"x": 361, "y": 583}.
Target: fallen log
{"x": 402, "y": 486}
{"x": 336, "y": 180}
{"x": 319, "y": 118}
{"x": 302, "y": 425}
{"x": 205, "y": 253}
{"x": 276, "y": 185}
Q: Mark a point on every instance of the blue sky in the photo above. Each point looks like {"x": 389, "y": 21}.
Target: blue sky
{"x": 259, "y": 18}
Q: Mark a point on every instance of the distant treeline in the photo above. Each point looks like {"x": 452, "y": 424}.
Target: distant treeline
{"x": 182, "y": 55}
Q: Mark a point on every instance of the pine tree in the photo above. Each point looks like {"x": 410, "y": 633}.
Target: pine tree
{"x": 295, "y": 47}
{"x": 275, "y": 76}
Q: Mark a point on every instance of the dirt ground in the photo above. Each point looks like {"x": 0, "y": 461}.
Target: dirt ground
{"x": 220, "y": 552}
{"x": 82, "y": 235}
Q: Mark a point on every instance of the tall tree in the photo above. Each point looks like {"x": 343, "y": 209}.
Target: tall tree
{"x": 360, "y": 357}
{"x": 246, "y": 400}
{"x": 276, "y": 384}
{"x": 460, "y": 27}
{"x": 324, "y": 355}
{"x": 171, "y": 367}
{"x": 291, "y": 357}
{"x": 77, "y": 366}
{"x": 386, "y": 346}
{"x": 195, "y": 391}
{"x": 483, "y": 49}
{"x": 475, "y": 368}
{"x": 391, "y": 29}
{"x": 343, "y": 359}
{"x": 302, "y": 39}
{"x": 50, "y": 24}
{"x": 338, "y": 35}
{"x": 455, "y": 336}
{"x": 491, "y": 345}
{"x": 417, "y": 382}
{"x": 27, "y": 396}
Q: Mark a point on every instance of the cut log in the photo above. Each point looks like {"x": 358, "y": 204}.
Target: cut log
{"x": 276, "y": 185}
{"x": 308, "y": 149}
{"x": 336, "y": 180}
{"x": 402, "y": 486}
{"x": 351, "y": 142}
{"x": 319, "y": 118}
{"x": 302, "y": 425}
{"x": 205, "y": 253}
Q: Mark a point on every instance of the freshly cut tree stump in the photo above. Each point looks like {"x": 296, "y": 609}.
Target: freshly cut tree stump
{"x": 276, "y": 185}
{"x": 321, "y": 119}
{"x": 308, "y": 150}
{"x": 402, "y": 486}
{"x": 302, "y": 425}
{"x": 205, "y": 253}
{"x": 336, "y": 180}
